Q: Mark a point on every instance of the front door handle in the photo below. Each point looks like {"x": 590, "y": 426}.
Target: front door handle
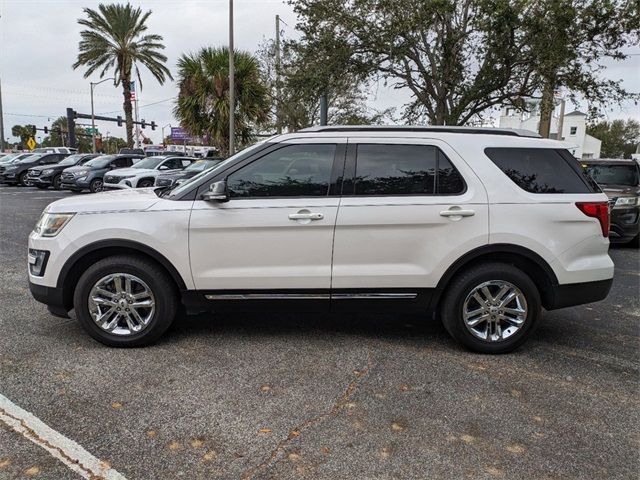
{"x": 457, "y": 213}
{"x": 306, "y": 216}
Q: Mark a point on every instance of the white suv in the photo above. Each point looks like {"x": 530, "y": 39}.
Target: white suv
{"x": 143, "y": 173}
{"x": 484, "y": 227}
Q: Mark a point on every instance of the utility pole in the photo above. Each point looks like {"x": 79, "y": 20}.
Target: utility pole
{"x": 232, "y": 100}
{"x": 136, "y": 114}
{"x": 561, "y": 120}
{"x": 93, "y": 120}
{"x": 324, "y": 107}
{"x": 1, "y": 122}
{"x": 278, "y": 124}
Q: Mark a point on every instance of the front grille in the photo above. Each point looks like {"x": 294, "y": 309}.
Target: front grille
{"x": 111, "y": 179}
{"x": 67, "y": 176}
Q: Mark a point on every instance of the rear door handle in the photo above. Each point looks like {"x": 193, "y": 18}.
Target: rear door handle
{"x": 457, "y": 213}
{"x": 306, "y": 216}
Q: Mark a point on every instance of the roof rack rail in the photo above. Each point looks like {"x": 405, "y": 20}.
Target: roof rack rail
{"x": 513, "y": 132}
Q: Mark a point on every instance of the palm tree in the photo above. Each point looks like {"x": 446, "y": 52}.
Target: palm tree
{"x": 115, "y": 38}
{"x": 203, "y": 102}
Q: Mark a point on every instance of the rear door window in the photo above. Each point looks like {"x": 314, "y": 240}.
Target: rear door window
{"x": 397, "y": 169}
{"x": 541, "y": 170}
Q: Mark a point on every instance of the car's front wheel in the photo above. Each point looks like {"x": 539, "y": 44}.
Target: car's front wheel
{"x": 125, "y": 301}
{"x": 145, "y": 183}
{"x": 23, "y": 180}
{"x": 491, "y": 308}
{"x": 96, "y": 185}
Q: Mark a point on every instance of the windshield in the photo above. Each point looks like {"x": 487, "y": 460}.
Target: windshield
{"x": 10, "y": 158}
{"x": 31, "y": 158}
{"x": 71, "y": 160}
{"x": 201, "y": 165}
{"x": 179, "y": 189}
{"x": 100, "y": 162}
{"x": 614, "y": 174}
{"x": 150, "y": 162}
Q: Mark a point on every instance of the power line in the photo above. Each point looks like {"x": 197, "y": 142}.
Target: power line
{"x": 143, "y": 106}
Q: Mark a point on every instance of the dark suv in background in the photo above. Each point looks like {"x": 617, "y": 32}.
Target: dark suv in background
{"x": 199, "y": 166}
{"x": 46, "y": 176}
{"x": 16, "y": 172}
{"x": 91, "y": 174}
{"x": 620, "y": 180}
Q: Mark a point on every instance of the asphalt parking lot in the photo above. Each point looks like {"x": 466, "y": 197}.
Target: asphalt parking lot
{"x": 304, "y": 396}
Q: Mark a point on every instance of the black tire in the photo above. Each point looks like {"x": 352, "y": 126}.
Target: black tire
{"x": 23, "y": 179}
{"x": 160, "y": 283}
{"x": 463, "y": 285}
{"x": 96, "y": 185}
{"x": 145, "y": 183}
{"x": 42, "y": 187}
{"x": 56, "y": 183}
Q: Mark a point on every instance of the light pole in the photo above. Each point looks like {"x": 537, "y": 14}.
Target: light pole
{"x": 107, "y": 143}
{"x": 232, "y": 86}
{"x": 163, "y": 137}
{"x": 93, "y": 121}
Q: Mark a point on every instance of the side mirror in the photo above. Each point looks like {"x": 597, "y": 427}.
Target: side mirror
{"x": 217, "y": 192}
{"x": 163, "y": 167}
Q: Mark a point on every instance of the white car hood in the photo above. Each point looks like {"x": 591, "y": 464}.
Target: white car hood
{"x": 110, "y": 201}
{"x": 121, "y": 172}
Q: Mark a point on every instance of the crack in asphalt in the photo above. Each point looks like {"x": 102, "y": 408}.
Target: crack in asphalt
{"x": 295, "y": 432}
{"x": 86, "y": 470}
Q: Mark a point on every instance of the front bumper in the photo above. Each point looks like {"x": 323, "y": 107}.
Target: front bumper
{"x": 625, "y": 224}
{"x": 8, "y": 178}
{"x": 52, "y": 297}
{"x": 116, "y": 186}
{"x": 74, "y": 184}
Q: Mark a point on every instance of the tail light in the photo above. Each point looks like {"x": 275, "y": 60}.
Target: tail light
{"x": 599, "y": 210}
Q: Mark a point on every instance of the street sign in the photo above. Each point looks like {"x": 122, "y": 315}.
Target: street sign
{"x": 31, "y": 143}
{"x": 178, "y": 133}
{"x": 92, "y": 131}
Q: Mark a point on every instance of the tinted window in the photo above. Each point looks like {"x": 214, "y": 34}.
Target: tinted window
{"x": 121, "y": 162}
{"x": 150, "y": 162}
{"x": 540, "y": 170}
{"x": 173, "y": 163}
{"x": 292, "y": 171}
{"x": 405, "y": 170}
{"x": 614, "y": 174}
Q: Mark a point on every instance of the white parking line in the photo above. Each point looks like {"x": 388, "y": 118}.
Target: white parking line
{"x": 67, "y": 451}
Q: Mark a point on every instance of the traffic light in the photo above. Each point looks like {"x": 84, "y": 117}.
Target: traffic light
{"x": 33, "y": 130}
{"x": 144, "y": 124}
{"x": 119, "y": 119}
{"x": 153, "y": 125}
{"x": 46, "y": 130}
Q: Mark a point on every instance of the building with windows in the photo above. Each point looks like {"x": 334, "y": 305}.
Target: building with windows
{"x": 574, "y": 128}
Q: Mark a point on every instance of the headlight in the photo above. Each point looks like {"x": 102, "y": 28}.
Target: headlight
{"x": 125, "y": 176}
{"x": 50, "y": 224}
{"x": 11, "y": 169}
{"x": 627, "y": 201}
{"x": 48, "y": 171}
{"x": 80, "y": 173}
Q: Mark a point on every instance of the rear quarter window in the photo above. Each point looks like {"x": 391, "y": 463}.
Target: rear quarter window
{"x": 541, "y": 170}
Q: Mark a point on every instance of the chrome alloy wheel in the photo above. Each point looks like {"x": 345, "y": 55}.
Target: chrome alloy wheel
{"x": 121, "y": 304}
{"x": 494, "y": 310}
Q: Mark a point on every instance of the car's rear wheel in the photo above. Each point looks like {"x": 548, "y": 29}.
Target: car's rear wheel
{"x": 491, "y": 308}
{"x": 125, "y": 301}
{"x": 96, "y": 185}
{"x": 57, "y": 182}
{"x": 145, "y": 183}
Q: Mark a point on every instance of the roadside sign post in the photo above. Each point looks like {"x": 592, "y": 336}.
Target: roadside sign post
{"x": 31, "y": 143}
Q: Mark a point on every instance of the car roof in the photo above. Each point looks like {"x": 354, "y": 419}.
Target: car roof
{"x": 514, "y": 132}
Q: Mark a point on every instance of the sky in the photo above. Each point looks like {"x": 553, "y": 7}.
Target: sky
{"x": 39, "y": 43}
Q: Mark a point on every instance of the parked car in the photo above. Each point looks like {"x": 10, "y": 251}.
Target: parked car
{"x": 55, "y": 150}
{"x": 143, "y": 174}
{"x": 91, "y": 175}
{"x": 198, "y": 166}
{"x": 484, "y": 227}
{"x": 620, "y": 180}
{"x": 13, "y": 157}
{"x": 16, "y": 172}
{"x": 46, "y": 176}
